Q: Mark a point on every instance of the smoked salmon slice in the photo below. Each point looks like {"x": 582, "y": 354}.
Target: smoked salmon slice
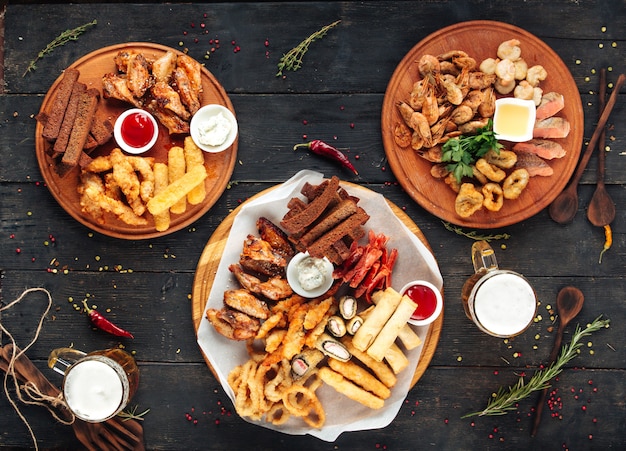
{"x": 551, "y": 127}
{"x": 543, "y": 148}
{"x": 551, "y": 103}
{"x": 533, "y": 164}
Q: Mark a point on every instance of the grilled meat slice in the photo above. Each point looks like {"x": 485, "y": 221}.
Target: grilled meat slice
{"x": 275, "y": 288}
{"x": 138, "y": 75}
{"x": 232, "y": 324}
{"x": 274, "y": 235}
{"x": 259, "y": 256}
{"x": 246, "y": 302}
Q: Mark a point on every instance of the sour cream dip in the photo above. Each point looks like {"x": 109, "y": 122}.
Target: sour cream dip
{"x": 308, "y": 276}
{"x": 213, "y": 128}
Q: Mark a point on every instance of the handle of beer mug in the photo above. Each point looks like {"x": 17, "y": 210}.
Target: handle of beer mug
{"x": 483, "y": 257}
{"x": 61, "y": 359}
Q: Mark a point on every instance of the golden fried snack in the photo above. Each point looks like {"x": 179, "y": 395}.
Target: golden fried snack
{"x": 380, "y": 369}
{"x": 409, "y": 338}
{"x": 161, "y": 180}
{"x": 361, "y": 377}
{"x": 396, "y": 359}
{"x": 194, "y": 156}
{"x": 390, "y": 331}
{"x": 468, "y": 201}
{"x": 386, "y": 302}
{"x": 177, "y": 169}
{"x": 347, "y": 388}
{"x": 177, "y": 190}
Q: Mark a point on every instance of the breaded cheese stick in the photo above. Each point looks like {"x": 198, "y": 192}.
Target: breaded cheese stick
{"x": 347, "y": 388}
{"x": 361, "y": 377}
{"x": 380, "y": 369}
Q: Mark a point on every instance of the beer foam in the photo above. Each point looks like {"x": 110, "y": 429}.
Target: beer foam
{"x": 505, "y": 304}
{"x": 93, "y": 390}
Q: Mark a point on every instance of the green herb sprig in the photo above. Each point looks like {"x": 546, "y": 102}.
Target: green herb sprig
{"x": 62, "y": 39}
{"x": 474, "y": 235}
{"x": 461, "y": 152}
{"x": 505, "y": 400}
{"x": 131, "y": 414}
{"x": 292, "y": 60}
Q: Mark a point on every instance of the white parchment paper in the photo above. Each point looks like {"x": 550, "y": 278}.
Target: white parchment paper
{"x": 414, "y": 262}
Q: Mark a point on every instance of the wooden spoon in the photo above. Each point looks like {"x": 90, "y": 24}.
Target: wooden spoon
{"x": 601, "y": 210}
{"x": 569, "y": 302}
{"x": 564, "y": 207}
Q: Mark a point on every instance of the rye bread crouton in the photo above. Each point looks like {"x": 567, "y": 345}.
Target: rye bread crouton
{"x": 59, "y": 104}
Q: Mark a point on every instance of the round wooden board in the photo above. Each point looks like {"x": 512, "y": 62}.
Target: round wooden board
{"x": 210, "y": 260}
{"x": 480, "y": 39}
{"x": 219, "y": 165}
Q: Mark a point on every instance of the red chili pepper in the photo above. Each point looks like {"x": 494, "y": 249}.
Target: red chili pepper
{"x": 321, "y": 148}
{"x": 104, "y": 324}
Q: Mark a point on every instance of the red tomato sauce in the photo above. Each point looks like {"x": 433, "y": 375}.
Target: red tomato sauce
{"x": 137, "y": 130}
{"x": 425, "y": 299}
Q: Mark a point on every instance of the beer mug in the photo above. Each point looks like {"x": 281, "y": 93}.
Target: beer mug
{"x": 499, "y": 301}
{"x": 96, "y": 386}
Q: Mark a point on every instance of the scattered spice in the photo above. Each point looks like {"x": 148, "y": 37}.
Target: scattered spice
{"x": 292, "y": 60}
{"x": 60, "y": 40}
{"x": 319, "y": 147}
{"x": 505, "y": 400}
{"x": 104, "y": 324}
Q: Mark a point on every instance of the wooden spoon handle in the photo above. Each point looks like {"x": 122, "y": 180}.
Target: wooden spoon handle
{"x": 602, "y": 139}
{"x": 598, "y": 130}
{"x": 542, "y": 397}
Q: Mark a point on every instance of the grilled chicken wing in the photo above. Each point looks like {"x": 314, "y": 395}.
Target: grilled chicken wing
{"x": 183, "y": 86}
{"x": 163, "y": 67}
{"x": 278, "y": 239}
{"x": 275, "y": 288}
{"x": 116, "y": 87}
{"x": 246, "y": 302}
{"x": 167, "y": 98}
{"x": 194, "y": 72}
{"x": 232, "y": 324}
{"x": 259, "y": 256}
{"x": 138, "y": 75}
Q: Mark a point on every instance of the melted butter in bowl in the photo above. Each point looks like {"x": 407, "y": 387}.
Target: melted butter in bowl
{"x": 308, "y": 276}
{"x": 514, "y": 119}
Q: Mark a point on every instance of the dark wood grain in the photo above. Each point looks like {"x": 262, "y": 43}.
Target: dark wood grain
{"x": 146, "y": 285}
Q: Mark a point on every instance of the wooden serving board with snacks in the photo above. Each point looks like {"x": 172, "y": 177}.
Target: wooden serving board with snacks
{"x": 480, "y": 40}
{"x": 219, "y": 166}
{"x": 212, "y": 254}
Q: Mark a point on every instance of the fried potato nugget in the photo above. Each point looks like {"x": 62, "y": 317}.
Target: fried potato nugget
{"x": 176, "y": 190}
{"x": 177, "y": 169}
{"x": 349, "y": 389}
{"x": 194, "y": 156}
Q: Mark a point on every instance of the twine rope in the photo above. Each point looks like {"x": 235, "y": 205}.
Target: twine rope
{"x": 31, "y": 389}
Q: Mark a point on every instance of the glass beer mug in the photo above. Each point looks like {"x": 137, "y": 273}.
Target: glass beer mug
{"x": 500, "y": 302}
{"x": 96, "y": 386}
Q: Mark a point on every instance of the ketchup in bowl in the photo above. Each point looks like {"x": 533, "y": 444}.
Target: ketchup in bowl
{"x": 136, "y": 131}
{"x": 428, "y": 299}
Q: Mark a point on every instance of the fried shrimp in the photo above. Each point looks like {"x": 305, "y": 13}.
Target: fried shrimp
{"x": 515, "y": 183}
{"x": 510, "y": 50}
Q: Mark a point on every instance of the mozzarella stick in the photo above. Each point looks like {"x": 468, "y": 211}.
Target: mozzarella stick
{"x": 361, "y": 377}
{"x": 176, "y": 165}
{"x": 380, "y": 369}
{"x": 161, "y": 180}
{"x": 396, "y": 359}
{"x": 194, "y": 156}
{"x": 176, "y": 190}
{"x": 386, "y": 304}
{"x": 389, "y": 332}
{"x": 347, "y": 388}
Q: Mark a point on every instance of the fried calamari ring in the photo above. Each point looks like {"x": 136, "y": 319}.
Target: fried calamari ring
{"x": 277, "y": 414}
{"x": 491, "y": 171}
{"x": 515, "y": 183}
{"x": 468, "y": 201}
{"x": 504, "y": 159}
{"x": 493, "y": 195}
{"x": 303, "y": 402}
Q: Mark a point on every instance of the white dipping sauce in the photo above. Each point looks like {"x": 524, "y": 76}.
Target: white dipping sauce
{"x": 505, "y": 304}
{"x": 215, "y": 130}
{"x": 311, "y": 273}
{"x": 93, "y": 390}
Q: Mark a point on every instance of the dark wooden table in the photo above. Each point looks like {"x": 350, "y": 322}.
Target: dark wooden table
{"x": 339, "y": 91}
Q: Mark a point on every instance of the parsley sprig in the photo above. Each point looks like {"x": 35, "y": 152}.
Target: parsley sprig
{"x": 461, "y": 152}
{"x": 505, "y": 400}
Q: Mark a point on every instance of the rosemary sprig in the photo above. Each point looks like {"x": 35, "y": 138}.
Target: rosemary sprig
{"x": 131, "y": 414}
{"x": 474, "y": 235}
{"x": 292, "y": 60}
{"x": 62, "y": 39}
{"x": 505, "y": 400}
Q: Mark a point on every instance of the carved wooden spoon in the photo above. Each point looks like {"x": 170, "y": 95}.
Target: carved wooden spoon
{"x": 564, "y": 207}
{"x": 569, "y": 302}
{"x": 601, "y": 210}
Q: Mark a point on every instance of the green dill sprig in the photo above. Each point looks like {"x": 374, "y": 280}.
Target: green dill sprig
{"x": 292, "y": 60}
{"x": 62, "y": 39}
{"x": 131, "y": 414}
{"x": 505, "y": 400}
{"x": 474, "y": 235}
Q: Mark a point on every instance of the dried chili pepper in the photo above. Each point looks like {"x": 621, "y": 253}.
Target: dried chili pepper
{"x": 319, "y": 147}
{"x": 608, "y": 241}
{"x": 104, "y": 324}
